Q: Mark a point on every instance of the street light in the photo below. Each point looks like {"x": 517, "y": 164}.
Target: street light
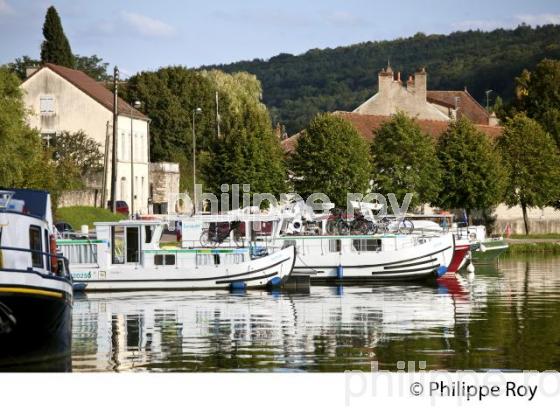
{"x": 488, "y": 99}
{"x": 137, "y": 104}
{"x": 198, "y": 110}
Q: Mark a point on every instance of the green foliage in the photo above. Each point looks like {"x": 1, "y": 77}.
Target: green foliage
{"x": 86, "y": 215}
{"x": 55, "y": 48}
{"x": 472, "y": 172}
{"x": 331, "y": 157}
{"x": 77, "y": 157}
{"x": 247, "y": 151}
{"x": 20, "y": 65}
{"x": 533, "y": 162}
{"x": 93, "y": 66}
{"x": 297, "y": 87}
{"x": 23, "y": 161}
{"x": 539, "y": 95}
{"x": 404, "y": 160}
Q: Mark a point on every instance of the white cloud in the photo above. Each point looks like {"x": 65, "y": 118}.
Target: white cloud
{"x": 539, "y": 19}
{"x": 148, "y": 26}
{"x": 5, "y": 8}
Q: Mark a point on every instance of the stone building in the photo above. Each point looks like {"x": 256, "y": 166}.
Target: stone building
{"x": 413, "y": 98}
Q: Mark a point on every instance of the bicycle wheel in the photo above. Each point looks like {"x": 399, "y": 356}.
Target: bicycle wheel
{"x": 406, "y": 226}
{"x": 342, "y": 228}
{"x": 360, "y": 227}
{"x": 238, "y": 240}
{"x": 331, "y": 227}
{"x": 372, "y": 228}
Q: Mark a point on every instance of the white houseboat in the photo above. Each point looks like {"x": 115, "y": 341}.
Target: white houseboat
{"x": 128, "y": 255}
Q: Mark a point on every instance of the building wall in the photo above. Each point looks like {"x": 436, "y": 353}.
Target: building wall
{"x": 165, "y": 179}
{"x": 73, "y": 111}
{"x": 545, "y": 220}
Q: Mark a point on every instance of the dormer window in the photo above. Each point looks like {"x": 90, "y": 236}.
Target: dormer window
{"x": 46, "y": 105}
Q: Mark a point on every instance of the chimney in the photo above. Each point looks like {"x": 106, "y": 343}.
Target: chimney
{"x": 420, "y": 84}
{"x": 385, "y": 78}
{"x": 399, "y": 76}
{"x": 493, "y": 120}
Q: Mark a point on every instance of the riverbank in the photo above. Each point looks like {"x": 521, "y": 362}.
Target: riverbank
{"x": 530, "y": 244}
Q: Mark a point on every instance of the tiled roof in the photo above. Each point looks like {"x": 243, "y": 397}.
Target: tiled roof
{"x": 94, "y": 89}
{"x": 467, "y": 105}
{"x": 367, "y": 124}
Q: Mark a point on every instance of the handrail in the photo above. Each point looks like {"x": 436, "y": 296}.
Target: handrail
{"x": 34, "y": 251}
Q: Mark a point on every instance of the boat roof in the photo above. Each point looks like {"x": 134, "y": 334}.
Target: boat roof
{"x": 37, "y": 202}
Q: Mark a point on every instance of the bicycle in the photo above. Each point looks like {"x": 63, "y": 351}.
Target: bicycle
{"x": 386, "y": 225}
{"x": 359, "y": 225}
{"x": 216, "y": 234}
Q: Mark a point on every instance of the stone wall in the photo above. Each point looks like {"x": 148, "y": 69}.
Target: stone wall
{"x": 164, "y": 184}
{"x": 541, "y": 220}
{"x": 84, "y": 197}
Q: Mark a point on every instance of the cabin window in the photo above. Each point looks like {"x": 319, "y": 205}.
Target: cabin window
{"x": 36, "y": 244}
{"x": 216, "y": 259}
{"x": 366, "y": 245}
{"x": 48, "y": 249}
{"x": 335, "y": 245}
{"x": 132, "y": 244}
{"x": 149, "y": 233}
{"x": 162, "y": 260}
{"x": 117, "y": 240}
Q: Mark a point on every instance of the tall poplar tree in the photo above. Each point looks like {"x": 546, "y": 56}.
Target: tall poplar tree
{"x": 55, "y": 48}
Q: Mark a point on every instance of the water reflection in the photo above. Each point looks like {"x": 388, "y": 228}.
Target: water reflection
{"x": 502, "y": 317}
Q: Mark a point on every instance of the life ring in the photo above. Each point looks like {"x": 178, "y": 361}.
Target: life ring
{"x": 54, "y": 258}
{"x": 472, "y": 236}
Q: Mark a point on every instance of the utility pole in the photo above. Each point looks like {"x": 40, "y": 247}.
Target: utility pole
{"x": 115, "y": 133}
{"x": 217, "y": 117}
{"x": 488, "y": 99}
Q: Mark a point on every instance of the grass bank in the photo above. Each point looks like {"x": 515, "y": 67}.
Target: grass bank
{"x": 85, "y": 215}
{"x": 537, "y": 236}
{"x": 550, "y": 248}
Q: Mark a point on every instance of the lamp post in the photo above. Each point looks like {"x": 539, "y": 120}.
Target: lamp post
{"x": 137, "y": 105}
{"x": 114, "y": 141}
{"x": 488, "y": 99}
{"x": 196, "y": 111}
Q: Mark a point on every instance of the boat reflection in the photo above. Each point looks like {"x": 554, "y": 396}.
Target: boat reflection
{"x": 257, "y": 330}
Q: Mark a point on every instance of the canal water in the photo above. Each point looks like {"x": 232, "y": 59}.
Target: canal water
{"x": 502, "y": 317}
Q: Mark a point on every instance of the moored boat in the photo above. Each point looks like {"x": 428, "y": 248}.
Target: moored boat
{"x": 128, "y": 255}
{"x": 35, "y": 285}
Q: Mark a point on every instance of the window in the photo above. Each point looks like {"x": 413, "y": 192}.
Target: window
{"x": 36, "y": 244}
{"x": 335, "y": 245}
{"x": 366, "y": 245}
{"x": 132, "y": 244}
{"x": 216, "y": 259}
{"x": 160, "y": 260}
{"x": 117, "y": 239}
{"x": 46, "y": 105}
{"x": 149, "y": 233}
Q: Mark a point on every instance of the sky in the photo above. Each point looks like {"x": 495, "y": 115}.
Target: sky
{"x": 146, "y": 34}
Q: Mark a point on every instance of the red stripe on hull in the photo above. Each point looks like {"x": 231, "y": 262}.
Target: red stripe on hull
{"x": 459, "y": 254}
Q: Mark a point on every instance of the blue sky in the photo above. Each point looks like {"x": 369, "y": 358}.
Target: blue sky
{"x": 146, "y": 34}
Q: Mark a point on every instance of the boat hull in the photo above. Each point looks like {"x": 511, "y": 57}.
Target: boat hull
{"x": 254, "y": 274}
{"x": 418, "y": 262}
{"x": 489, "y": 251}
{"x": 459, "y": 256}
{"x": 35, "y": 314}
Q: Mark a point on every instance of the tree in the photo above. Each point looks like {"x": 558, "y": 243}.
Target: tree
{"x": 331, "y": 157}
{"x": 92, "y": 66}
{"x": 472, "y": 174}
{"x": 77, "y": 157}
{"x": 55, "y": 48}
{"x": 538, "y": 94}
{"x": 23, "y": 161}
{"x": 20, "y": 65}
{"x": 533, "y": 163}
{"x": 247, "y": 151}
{"x": 405, "y": 161}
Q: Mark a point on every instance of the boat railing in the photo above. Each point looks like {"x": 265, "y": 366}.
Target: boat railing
{"x": 61, "y": 270}
{"x": 80, "y": 251}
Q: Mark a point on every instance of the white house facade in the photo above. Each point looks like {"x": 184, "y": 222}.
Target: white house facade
{"x": 61, "y": 99}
